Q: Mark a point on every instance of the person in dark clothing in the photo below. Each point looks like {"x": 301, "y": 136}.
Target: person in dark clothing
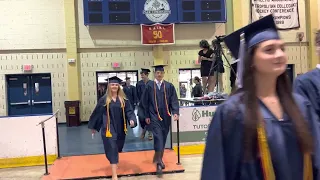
{"x": 308, "y": 84}
{"x": 111, "y": 116}
{"x": 160, "y": 103}
{"x": 263, "y": 131}
{"x": 141, "y": 85}
{"x": 206, "y": 58}
{"x": 218, "y": 67}
{"x": 197, "y": 89}
{"x": 131, "y": 92}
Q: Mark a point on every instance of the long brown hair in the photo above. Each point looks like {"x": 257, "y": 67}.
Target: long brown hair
{"x": 121, "y": 95}
{"x": 253, "y": 116}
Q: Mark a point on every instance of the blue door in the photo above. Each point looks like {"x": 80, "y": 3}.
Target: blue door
{"x": 41, "y": 94}
{"x": 19, "y": 95}
{"x": 29, "y": 94}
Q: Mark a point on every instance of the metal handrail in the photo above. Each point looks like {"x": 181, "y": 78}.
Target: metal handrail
{"x": 44, "y": 140}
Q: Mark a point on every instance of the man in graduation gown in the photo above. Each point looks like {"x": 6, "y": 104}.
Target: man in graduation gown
{"x": 160, "y": 102}
{"x": 308, "y": 84}
{"x": 130, "y": 92}
{"x": 141, "y": 85}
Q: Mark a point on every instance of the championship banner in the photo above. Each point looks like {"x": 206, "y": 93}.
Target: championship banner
{"x": 285, "y": 12}
{"x": 157, "y": 34}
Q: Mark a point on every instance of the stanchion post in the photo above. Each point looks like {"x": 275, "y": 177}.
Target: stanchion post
{"x": 44, "y": 149}
{"x": 178, "y": 141}
{"x": 171, "y": 144}
{"x": 58, "y": 142}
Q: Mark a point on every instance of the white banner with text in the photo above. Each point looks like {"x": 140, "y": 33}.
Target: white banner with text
{"x": 194, "y": 118}
{"x": 285, "y": 12}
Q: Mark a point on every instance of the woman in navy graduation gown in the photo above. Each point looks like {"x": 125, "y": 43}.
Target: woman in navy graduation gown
{"x": 112, "y": 115}
{"x": 263, "y": 131}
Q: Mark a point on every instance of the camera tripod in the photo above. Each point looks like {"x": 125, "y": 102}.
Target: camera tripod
{"x": 219, "y": 60}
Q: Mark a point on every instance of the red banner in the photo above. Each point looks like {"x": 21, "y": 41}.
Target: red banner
{"x": 157, "y": 34}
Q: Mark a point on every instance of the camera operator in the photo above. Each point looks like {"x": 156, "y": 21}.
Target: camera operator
{"x": 206, "y": 58}
{"x": 218, "y": 67}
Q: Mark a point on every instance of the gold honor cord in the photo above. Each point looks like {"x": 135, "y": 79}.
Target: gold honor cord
{"x": 165, "y": 99}
{"x": 108, "y": 132}
{"x": 266, "y": 161}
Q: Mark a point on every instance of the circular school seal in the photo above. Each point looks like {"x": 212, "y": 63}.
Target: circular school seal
{"x": 157, "y": 10}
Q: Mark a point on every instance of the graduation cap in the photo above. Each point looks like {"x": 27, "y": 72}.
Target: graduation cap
{"x": 114, "y": 79}
{"x": 261, "y": 30}
{"x": 145, "y": 71}
{"x": 159, "y": 67}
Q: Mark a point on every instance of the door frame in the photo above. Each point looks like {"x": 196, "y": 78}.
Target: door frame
{"x": 24, "y": 74}
{"x": 115, "y": 71}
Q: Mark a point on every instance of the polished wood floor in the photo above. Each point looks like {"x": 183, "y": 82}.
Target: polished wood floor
{"x": 192, "y": 165}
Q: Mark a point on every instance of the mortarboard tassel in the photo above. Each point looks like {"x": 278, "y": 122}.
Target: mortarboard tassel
{"x": 155, "y": 100}
{"x": 165, "y": 99}
{"x": 240, "y": 67}
{"x": 124, "y": 117}
{"x": 108, "y": 133}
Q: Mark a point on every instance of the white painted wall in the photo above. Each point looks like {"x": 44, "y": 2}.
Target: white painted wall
{"x": 21, "y": 137}
{"x": 32, "y": 24}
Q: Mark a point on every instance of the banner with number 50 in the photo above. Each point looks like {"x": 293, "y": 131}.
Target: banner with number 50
{"x": 157, "y": 34}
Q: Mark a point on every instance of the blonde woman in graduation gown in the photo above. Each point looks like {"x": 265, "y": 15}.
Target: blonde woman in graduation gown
{"x": 112, "y": 115}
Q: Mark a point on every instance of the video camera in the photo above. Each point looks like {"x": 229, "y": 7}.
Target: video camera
{"x": 216, "y": 44}
{"x": 220, "y": 38}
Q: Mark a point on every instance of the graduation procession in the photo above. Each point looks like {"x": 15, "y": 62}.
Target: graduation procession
{"x": 159, "y": 89}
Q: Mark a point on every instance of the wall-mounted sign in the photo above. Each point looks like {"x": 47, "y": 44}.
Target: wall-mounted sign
{"x": 286, "y": 14}
{"x": 157, "y": 34}
{"x": 27, "y": 68}
{"x": 116, "y": 65}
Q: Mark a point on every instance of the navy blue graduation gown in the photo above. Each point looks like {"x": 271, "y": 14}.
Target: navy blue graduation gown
{"x": 223, "y": 153}
{"x": 308, "y": 85}
{"x": 131, "y": 94}
{"x": 141, "y": 86}
{"x": 98, "y": 121}
{"x": 160, "y": 129}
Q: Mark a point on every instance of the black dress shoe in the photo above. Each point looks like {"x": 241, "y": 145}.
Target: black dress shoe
{"x": 159, "y": 170}
{"x": 163, "y": 166}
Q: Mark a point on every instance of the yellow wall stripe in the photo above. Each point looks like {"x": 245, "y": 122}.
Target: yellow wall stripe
{"x": 26, "y": 161}
{"x": 190, "y": 149}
